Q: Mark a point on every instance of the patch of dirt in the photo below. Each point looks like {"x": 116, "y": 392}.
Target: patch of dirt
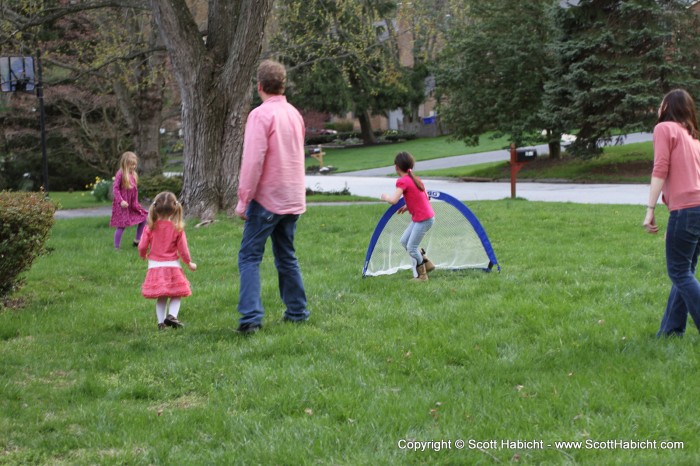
{"x": 14, "y": 304}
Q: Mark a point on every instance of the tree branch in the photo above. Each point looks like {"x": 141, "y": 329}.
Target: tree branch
{"x": 52, "y": 14}
{"x": 180, "y": 33}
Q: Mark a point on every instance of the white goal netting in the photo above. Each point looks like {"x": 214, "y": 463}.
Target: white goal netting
{"x": 452, "y": 243}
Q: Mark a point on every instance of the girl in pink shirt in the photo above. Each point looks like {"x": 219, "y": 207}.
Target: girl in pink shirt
{"x": 163, "y": 242}
{"x": 676, "y": 174}
{"x": 411, "y": 188}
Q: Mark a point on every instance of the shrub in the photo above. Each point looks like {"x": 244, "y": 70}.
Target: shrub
{"x": 342, "y": 126}
{"x": 333, "y": 138}
{"x": 25, "y": 222}
{"x": 150, "y": 186}
{"x": 101, "y": 189}
{"x": 394, "y": 136}
{"x": 320, "y": 139}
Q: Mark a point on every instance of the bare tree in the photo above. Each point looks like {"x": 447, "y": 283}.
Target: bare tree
{"x": 214, "y": 70}
{"x": 101, "y": 47}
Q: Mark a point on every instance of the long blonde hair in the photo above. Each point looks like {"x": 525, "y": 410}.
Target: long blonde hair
{"x": 166, "y": 207}
{"x": 127, "y": 164}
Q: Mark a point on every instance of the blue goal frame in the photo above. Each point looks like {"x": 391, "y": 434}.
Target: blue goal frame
{"x": 454, "y": 202}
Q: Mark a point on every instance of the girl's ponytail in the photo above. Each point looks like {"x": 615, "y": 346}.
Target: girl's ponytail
{"x": 417, "y": 181}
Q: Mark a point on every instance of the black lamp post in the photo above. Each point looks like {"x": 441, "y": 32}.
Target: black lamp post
{"x": 17, "y": 75}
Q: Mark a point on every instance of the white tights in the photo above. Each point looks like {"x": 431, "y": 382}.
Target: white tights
{"x": 173, "y": 309}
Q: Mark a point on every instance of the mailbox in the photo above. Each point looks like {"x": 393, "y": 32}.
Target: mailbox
{"x": 526, "y": 155}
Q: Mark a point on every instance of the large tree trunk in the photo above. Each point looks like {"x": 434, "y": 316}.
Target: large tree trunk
{"x": 141, "y": 103}
{"x": 366, "y": 128}
{"x": 147, "y": 145}
{"x": 554, "y": 150}
{"x": 142, "y": 112}
{"x": 215, "y": 85}
{"x": 215, "y": 137}
{"x": 146, "y": 129}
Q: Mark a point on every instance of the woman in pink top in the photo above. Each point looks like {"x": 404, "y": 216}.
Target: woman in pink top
{"x": 676, "y": 175}
{"x": 422, "y": 215}
{"x": 163, "y": 242}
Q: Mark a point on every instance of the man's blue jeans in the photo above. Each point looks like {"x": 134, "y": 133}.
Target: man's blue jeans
{"x": 682, "y": 248}
{"x": 263, "y": 224}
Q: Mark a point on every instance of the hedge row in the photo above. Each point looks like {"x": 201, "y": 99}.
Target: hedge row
{"x": 25, "y": 222}
{"x": 391, "y": 135}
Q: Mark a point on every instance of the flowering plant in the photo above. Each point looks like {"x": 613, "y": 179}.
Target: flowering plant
{"x": 100, "y": 188}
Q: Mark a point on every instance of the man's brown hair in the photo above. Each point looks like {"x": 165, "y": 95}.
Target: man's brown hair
{"x": 272, "y": 77}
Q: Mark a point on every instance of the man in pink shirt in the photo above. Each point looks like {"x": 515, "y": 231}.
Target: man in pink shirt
{"x": 271, "y": 197}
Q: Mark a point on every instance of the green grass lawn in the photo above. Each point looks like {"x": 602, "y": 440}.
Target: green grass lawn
{"x": 558, "y": 346}
{"x": 363, "y": 158}
{"x": 76, "y": 200}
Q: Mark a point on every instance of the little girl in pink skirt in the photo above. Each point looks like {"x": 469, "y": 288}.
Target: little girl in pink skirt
{"x": 163, "y": 244}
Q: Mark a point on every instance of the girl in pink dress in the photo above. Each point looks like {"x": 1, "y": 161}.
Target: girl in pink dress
{"x": 163, "y": 243}
{"x": 126, "y": 210}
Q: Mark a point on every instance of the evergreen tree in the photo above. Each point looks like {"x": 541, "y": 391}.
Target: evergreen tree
{"x": 615, "y": 60}
{"x": 493, "y": 69}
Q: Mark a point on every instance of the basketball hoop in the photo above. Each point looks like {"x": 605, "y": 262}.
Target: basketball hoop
{"x": 17, "y": 74}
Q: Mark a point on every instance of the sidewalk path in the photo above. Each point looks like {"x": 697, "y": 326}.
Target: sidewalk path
{"x": 89, "y": 212}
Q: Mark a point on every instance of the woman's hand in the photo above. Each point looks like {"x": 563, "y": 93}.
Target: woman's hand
{"x": 650, "y": 222}
{"x": 192, "y": 266}
{"x": 124, "y": 204}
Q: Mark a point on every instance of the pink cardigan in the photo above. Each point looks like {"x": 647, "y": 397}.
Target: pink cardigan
{"x": 164, "y": 243}
{"x": 677, "y": 161}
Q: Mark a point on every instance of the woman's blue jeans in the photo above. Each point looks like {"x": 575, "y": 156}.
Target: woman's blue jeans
{"x": 263, "y": 224}
{"x": 412, "y": 237}
{"x": 682, "y": 248}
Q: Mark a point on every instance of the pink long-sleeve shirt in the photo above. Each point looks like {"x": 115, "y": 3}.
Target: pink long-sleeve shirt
{"x": 272, "y": 170}
{"x": 677, "y": 162}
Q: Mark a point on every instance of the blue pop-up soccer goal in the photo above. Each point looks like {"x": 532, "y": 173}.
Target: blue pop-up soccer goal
{"x": 456, "y": 241}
